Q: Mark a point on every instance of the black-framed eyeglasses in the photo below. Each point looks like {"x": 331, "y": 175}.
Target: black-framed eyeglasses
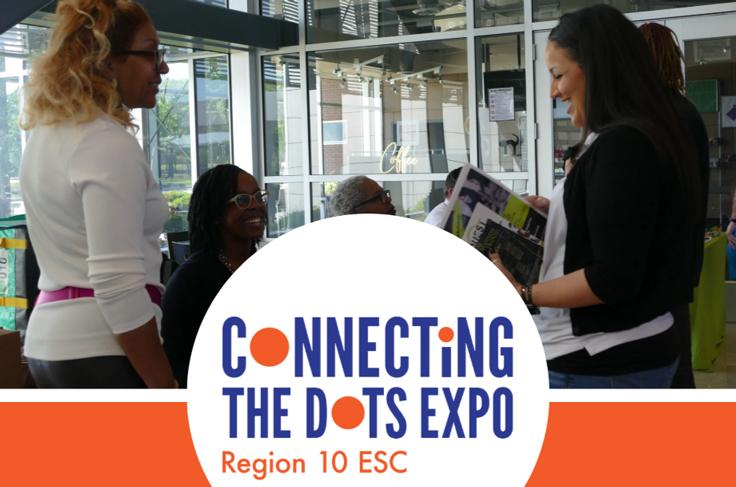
{"x": 245, "y": 200}
{"x": 157, "y": 55}
{"x": 384, "y": 196}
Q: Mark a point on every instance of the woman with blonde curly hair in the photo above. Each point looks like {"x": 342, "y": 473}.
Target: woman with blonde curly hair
{"x": 94, "y": 209}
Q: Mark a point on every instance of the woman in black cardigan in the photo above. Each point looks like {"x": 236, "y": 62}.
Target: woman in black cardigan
{"x": 625, "y": 217}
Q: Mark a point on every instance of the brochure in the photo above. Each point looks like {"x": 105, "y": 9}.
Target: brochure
{"x": 491, "y": 217}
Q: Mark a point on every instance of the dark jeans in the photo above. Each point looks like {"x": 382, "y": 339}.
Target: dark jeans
{"x": 112, "y": 372}
{"x": 683, "y": 378}
{"x": 647, "y": 379}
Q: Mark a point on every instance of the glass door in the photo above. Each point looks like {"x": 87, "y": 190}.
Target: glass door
{"x": 556, "y": 131}
{"x": 709, "y": 46}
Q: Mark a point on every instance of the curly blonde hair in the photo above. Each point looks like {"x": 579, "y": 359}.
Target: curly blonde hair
{"x": 72, "y": 79}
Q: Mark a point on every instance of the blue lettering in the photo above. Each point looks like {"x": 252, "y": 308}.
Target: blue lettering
{"x": 424, "y": 325}
{"x": 233, "y": 393}
{"x": 316, "y": 395}
{"x": 391, "y": 368}
{"x": 506, "y": 353}
{"x": 227, "y": 347}
{"x": 343, "y": 348}
{"x": 365, "y": 346}
{"x": 303, "y": 345}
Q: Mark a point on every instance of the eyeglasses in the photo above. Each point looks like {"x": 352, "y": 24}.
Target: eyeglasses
{"x": 245, "y": 201}
{"x": 158, "y": 55}
{"x": 384, "y": 196}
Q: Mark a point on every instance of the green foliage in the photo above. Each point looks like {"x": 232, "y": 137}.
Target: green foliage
{"x": 177, "y": 200}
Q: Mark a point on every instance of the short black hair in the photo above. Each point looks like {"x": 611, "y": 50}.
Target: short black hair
{"x": 209, "y": 199}
{"x": 451, "y": 179}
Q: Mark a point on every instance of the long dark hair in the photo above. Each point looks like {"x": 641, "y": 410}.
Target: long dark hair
{"x": 207, "y": 206}
{"x": 622, "y": 87}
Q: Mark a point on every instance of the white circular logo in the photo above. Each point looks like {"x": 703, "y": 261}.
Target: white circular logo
{"x": 367, "y": 349}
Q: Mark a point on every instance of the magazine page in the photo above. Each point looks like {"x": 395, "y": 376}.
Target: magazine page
{"x": 474, "y": 186}
{"x": 487, "y": 214}
{"x": 520, "y": 252}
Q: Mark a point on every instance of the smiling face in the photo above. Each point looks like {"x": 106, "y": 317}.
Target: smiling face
{"x": 244, "y": 225}
{"x": 568, "y": 81}
{"x": 138, "y": 76}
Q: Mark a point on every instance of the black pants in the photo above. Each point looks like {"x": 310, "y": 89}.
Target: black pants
{"x": 684, "y": 375}
{"x": 112, "y": 372}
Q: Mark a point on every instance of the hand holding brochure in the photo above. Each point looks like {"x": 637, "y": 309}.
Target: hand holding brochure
{"x": 489, "y": 216}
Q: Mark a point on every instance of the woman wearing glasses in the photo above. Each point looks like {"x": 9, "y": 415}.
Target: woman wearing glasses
{"x": 361, "y": 194}
{"x": 227, "y": 216}
{"x": 94, "y": 209}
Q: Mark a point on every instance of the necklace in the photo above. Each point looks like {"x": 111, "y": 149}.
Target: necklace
{"x": 225, "y": 261}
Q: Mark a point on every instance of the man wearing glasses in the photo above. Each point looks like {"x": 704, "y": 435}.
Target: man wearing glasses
{"x": 361, "y": 194}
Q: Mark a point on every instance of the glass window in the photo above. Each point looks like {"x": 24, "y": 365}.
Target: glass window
{"x": 329, "y": 20}
{"x": 167, "y": 143}
{"x": 402, "y": 109}
{"x": 501, "y": 85}
{"x": 18, "y": 46}
{"x": 284, "y": 118}
{"x": 412, "y": 199}
{"x": 553, "y": 9}
{"x": 172, "y": 147}
{"x": 489, "y": 13}
{"x": 285, "y": 207}
{"x": 213, "y": 112}
{"x": 710, "y": 71}
{"x": 281, "y": 9}
{"x": 168, "y": 140}
{"x": 216, "y": 3}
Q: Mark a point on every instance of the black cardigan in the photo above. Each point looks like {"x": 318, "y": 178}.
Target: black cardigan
{"x": 625, "y": 229}
{"x": 188, "y": 296}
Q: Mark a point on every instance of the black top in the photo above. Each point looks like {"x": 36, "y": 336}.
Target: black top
{"x": 189, "y": 293}
{"x": 624, "y": 209}
{"x": 693, "y": 122}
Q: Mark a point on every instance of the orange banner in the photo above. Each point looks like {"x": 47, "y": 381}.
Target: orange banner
{"x": 587, "y": 444}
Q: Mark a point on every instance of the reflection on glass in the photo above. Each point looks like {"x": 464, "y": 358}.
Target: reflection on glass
{"x": 213, "y": 112}
{"x": 412, "y": 199}
{"x": 489, "y": 13}
{"x": 18, "y": 46}
{"x": 11, "y": 202}
{"x": 553, "y": 9}
{"x": 329, "y": 20}
{"x": 502, "y": 104}
{"x": 710, "y": 73}
{"x": 216, "y": 3}
{"x": 283, "y": 115}
{"x": 390, "y": 110}
{"x": 168, "y": 130}
{"x": 281, "y": 9}
{"x": 166, "y": 141}
{"x": 565, "y": 136}
{"x": 285, "y": 207}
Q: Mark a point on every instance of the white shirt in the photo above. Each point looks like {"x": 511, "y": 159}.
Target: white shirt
{"x": 435, "y": 216}
{"x": 554, "y": 324}
{"x": 94, "y": 216}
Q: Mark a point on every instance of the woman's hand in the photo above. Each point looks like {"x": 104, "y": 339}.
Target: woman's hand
{"x": 729, "y": 234}
{"x": 539, "y": 202}
{"x": 496, "y": 259}
{"x": 144, "y": 350}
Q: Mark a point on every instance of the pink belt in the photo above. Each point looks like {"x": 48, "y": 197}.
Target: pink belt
{"x": 71, "y": 292}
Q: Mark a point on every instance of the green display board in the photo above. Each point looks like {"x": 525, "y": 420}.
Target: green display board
{"x": 703, "y": 93}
